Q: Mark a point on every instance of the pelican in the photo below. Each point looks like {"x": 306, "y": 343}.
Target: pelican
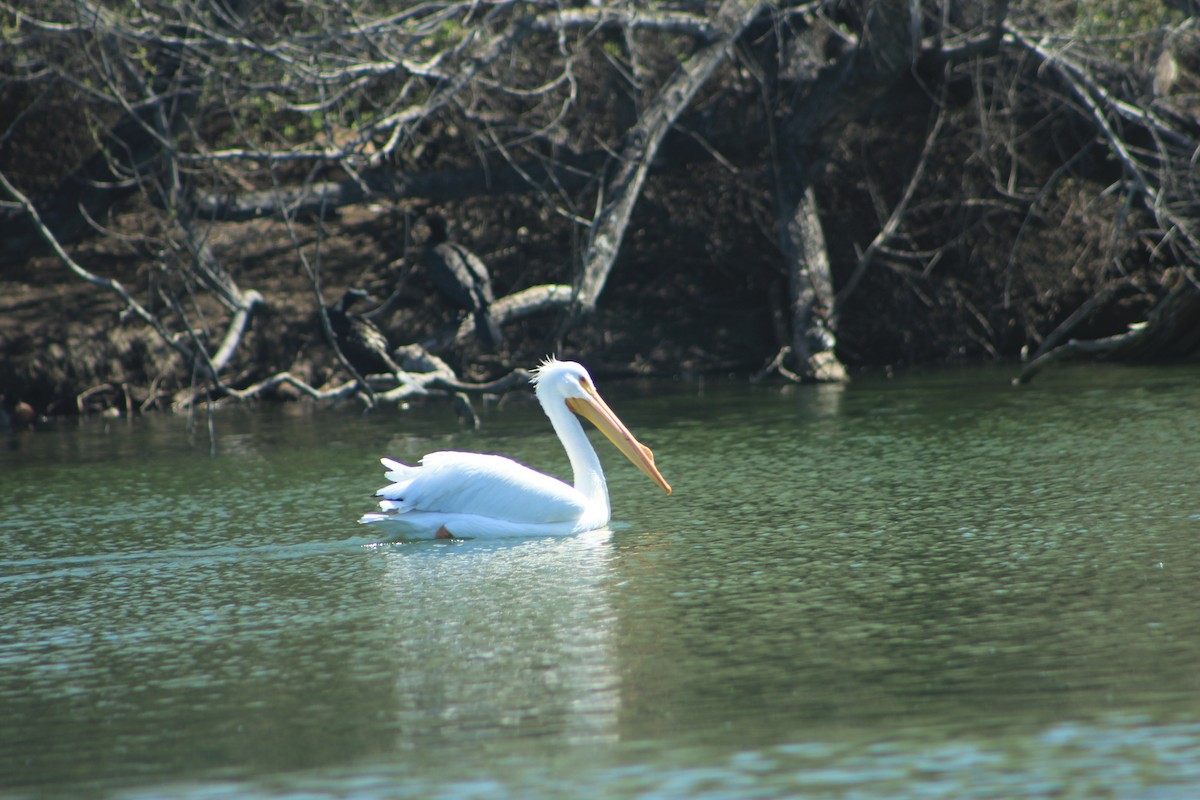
{"x": 471, "y": 495}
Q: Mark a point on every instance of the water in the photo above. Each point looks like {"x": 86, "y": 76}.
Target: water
{"x": 936, "y": 586}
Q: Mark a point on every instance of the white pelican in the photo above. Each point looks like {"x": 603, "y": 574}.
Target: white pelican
{"x": 472, "y": 495}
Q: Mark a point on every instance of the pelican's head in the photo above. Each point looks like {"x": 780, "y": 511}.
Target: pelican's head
{"x": 568, "y": 383}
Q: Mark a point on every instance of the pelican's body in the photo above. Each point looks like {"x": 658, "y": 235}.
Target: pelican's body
{"x": 472, "y": 495}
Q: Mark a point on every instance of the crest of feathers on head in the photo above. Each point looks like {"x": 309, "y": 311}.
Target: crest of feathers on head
{"x": 546, "y": 363}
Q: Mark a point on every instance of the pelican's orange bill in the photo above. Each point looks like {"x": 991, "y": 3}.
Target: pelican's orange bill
{"x": 596, "y": 411}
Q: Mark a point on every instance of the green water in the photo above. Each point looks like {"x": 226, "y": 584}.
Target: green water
{"x": 934, "y": 586}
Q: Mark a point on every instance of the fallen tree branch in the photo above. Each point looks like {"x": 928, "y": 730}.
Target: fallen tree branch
{"x": 1173, "y": 324}
{"x": 570, "y": 172}
{"x": 642, "y": 141}
{"x": 534, "y": 300}
{"x": 517, "y": 379}
{"x": 439, "y": 375}
{"x": 237, "y": 327}
{"x": 438, "y": 381}
{"x": 1075, "y": 319}
{"x": 1074, "y": 347}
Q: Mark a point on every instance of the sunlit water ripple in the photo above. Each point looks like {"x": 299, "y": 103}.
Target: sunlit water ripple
{"x": 938, "y": 586}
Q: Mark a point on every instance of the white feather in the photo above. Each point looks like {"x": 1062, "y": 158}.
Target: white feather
{"x": 474, "y": 483}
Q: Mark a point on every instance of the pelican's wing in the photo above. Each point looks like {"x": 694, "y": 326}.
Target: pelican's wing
{"x": 484, "y": 485}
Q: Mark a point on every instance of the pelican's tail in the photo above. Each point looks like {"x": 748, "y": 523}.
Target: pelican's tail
{"x": 397, "y": 473}
{"x": 400, "y": 475}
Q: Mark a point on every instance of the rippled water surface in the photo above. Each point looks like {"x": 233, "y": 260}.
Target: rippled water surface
{"x": 935, "y": 586}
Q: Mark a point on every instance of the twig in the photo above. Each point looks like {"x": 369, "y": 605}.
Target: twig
{"x": 897, "y": 216}
{"x": 777, "y": 365}
{"x": 111, "y": 284}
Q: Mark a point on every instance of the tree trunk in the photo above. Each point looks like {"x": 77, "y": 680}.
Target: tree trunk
{"x": 837, "y": 93}
{"x": 810, "y": 288}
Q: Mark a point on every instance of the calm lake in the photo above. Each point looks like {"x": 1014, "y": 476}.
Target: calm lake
{"x": 937, "y": 586}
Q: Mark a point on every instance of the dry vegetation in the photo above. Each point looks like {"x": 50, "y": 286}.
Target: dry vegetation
{"x": 701, "y": 187}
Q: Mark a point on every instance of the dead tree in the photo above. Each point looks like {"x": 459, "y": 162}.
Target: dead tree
{"x": 1155, "y": 146}
{"x": 399, "y": 86}
{"x": 622, "y": 188}
{"x": 212, "y": 115}
{"x": 833, "y": 94}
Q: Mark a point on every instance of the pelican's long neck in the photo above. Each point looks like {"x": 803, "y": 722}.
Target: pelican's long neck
{"x": 589, "y": 477}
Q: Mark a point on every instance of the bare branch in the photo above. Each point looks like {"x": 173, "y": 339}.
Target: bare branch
{"x": 1173, "y": 324}
{"x": 534, "y": 300}
{"x": 642, "y": 142}
{"x": 110, "y": 284}
{"x": 897, "y": 216}
{"x": 237, "y": 327}
{"x": 628, "y": 19}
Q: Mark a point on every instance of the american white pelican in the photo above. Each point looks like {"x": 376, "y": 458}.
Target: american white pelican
{"x": 472, "y": 495}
